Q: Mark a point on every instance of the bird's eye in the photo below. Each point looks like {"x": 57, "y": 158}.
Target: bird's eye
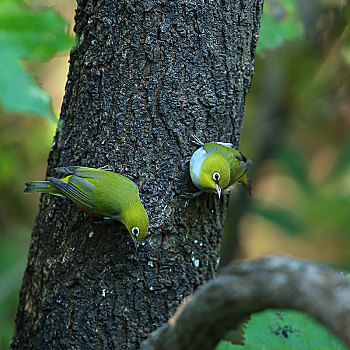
{"x": 135, "y": 231}
{"x": 216, "y": 176}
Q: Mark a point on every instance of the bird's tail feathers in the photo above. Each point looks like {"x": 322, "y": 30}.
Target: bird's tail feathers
{"x": 248, "y": 165}
{"x": 248, "y": 186}
{"x": 38, "y": 186}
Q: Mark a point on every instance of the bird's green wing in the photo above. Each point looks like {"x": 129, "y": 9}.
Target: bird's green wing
{"x": 88, "y": 173}
{"x": 240, "y": 156}
{"x": 76, "y": 189}
{"x": 243, "y": 168}
{"x": 85, "y": 172}
{"x": 92, "y": 173}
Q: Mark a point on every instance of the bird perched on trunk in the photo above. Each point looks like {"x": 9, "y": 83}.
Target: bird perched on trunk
{"x": 218, "y": 167}
{"x": 100, "y": 193}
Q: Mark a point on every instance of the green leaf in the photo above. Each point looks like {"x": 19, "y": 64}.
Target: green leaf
{"x": 289, "y": 330}
{"x": 19, "y": 92}
{"x": 279, "y": 24}
{"x": 225, "y": 345}
{"x": 30, "y": 35}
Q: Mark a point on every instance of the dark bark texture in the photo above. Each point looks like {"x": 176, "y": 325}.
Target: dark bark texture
{"x": 143, "y": 78}
{"x": 252, "y": 286}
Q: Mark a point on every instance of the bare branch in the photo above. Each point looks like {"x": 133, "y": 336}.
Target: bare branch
{"x": 253, "y": 286}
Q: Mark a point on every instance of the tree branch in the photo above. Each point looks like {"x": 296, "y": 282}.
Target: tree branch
{"x": 253, "y": 286}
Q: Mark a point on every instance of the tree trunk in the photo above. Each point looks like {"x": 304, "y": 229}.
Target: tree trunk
{"x": 143, "y": 78}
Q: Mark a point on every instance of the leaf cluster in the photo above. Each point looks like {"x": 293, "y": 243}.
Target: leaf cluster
{"x": 284, "y": 330}
{"x": 26, "y": 34}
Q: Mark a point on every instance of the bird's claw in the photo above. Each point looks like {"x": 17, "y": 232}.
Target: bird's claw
{"x": 106, "y": 167}
{"x": 197, "y": 141}
{"x": 191, "y": 195}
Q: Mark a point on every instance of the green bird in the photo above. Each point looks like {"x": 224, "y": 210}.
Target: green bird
{"x": 217, "y": 167}
{"x": 100, "y": 193}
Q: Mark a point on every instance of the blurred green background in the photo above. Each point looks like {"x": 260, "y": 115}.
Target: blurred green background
{"x": 296, "y": 131}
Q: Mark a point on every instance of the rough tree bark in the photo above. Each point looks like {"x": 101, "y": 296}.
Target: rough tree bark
{"x": 251, "y": 286}
{"x": 144, "y": 76}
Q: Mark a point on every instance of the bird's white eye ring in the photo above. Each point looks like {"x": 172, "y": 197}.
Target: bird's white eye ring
{"x": 135, "y": 231}
{"x": 216, "y": 176}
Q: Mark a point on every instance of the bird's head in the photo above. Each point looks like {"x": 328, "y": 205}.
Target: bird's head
{"x": 215, "y": 173}
{"x": 136, "y": 221}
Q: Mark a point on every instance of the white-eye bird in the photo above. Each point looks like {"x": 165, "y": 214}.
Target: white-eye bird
{"x": 100, "y": 193}
{"x": 217, "y": 167}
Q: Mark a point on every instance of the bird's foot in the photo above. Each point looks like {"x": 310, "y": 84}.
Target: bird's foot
{"x": 67, "y": 170}
{"x": 104, "y": 220}
{"x": 106, "y": 167}
{"x": 197, "y": 141}
{"x": 191, "y": 195}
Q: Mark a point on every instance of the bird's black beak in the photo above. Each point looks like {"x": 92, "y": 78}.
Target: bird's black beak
{"x": 218, "y": 188}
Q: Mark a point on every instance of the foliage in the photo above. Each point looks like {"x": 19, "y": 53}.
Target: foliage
{"x": 279, "y": 24}
{"x": 322, "y": 208}
{"x": 284, "y": 330}
{"x": 24, "y": 145}
{"x": 301, "y": 174}
{"x": 27, "y": 35}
